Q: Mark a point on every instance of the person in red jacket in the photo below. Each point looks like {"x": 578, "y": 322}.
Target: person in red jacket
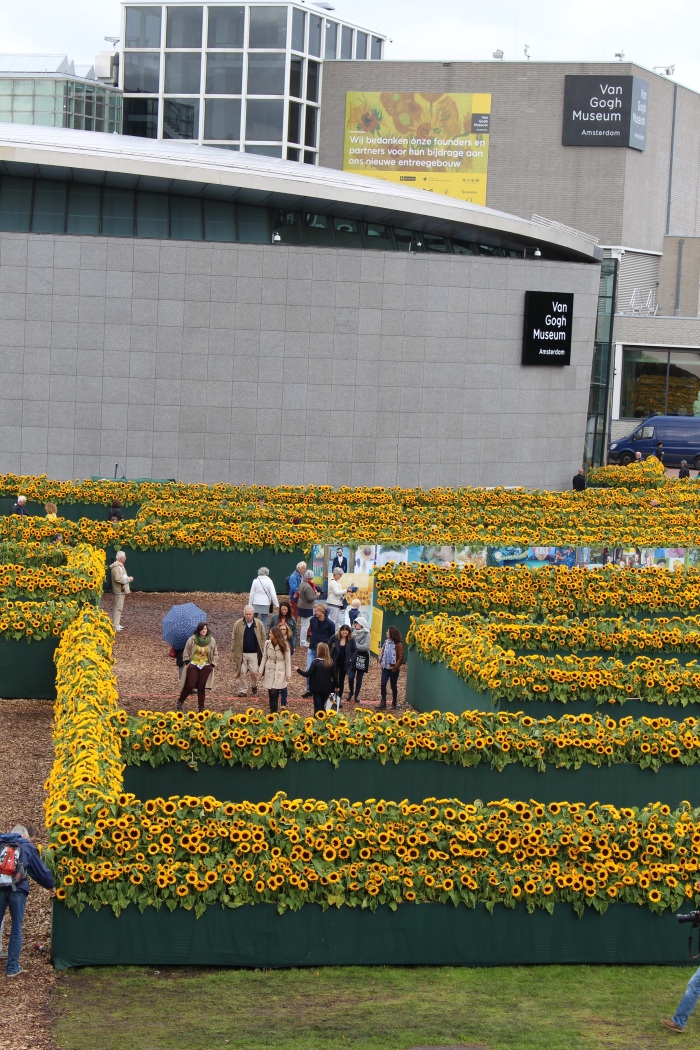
{"x": 14, "y": 889}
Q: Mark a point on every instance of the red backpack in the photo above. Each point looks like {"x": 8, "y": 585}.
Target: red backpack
{"x": 12, "y": 870}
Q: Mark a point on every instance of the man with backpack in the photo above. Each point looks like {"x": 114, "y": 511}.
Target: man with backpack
{"x": 293, "y": 583}
{"x": 19, "y": 858}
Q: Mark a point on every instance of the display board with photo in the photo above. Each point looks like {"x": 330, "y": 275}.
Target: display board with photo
{"x": 473, "y": 556}
{"x": 432, "y": 555}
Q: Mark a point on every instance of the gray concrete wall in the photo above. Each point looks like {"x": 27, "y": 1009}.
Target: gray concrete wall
{"x": 273, "y": 364}
{"x": 618, "y": 194}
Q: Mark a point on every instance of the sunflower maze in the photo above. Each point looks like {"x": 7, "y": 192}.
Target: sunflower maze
{"x": 534, "y": 805}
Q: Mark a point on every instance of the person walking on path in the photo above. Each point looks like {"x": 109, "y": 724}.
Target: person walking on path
{"x": 579, "y": 482}
{"x": 390, "y": 660}
{"x": 308, "y": 596}
{"x": 361, "y": 637}
{"x": 321, "y": 677}
{"x": 336, "y": 596}
{"x": 293, "y": 586}
{"x": 343, "y": 652}
{"x": 284, "y": 615}
{"x": 199, "y": 659}
{"x": 263, "y": 595}
{"x": 120, "y": 587}
{"x": 247, "y": 644}
{"x": 276, "y": 667}
{"x": 18, "y": 852}
{"x": 321, "y": 629}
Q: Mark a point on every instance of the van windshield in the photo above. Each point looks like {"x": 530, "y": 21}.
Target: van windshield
{"x": 643, "y": 433}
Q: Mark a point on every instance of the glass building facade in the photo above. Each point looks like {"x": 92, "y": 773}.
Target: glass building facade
{"x": 239, "y": 76}
{"x": 60, "y": 102}
{"x": 597, "y": 435}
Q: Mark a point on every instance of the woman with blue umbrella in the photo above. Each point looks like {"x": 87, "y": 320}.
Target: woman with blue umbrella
{"x": 199, "y": 659}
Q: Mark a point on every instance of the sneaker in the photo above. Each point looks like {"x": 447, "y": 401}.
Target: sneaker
{"x": 120, "y": 628}
{"x": 255, "y": 690}
{"x": 672, "y": 1025}
{"x": 242, "y": 692}
{"x": 16, "y": 973}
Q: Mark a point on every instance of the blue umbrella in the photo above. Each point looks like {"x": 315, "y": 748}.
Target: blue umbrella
{"x": 180, "y": 623}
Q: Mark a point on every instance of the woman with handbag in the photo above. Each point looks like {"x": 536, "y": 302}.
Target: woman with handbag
{"x": 276, "y": 667}
{"x": 321, "y": 676}
{"x": 360, "y": 634}
{"x": 390, "y": 661}
{"x": 343, "y": 654}
{"x": 263, "y": 596}
{"x": 199, "y": 659}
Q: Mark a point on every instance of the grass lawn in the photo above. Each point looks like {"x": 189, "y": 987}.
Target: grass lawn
{"x": 518, "y": 1008}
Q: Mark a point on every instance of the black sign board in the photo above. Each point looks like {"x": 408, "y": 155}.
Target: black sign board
{"x": 605, "y": 111}
{"x": 549, "y": 317}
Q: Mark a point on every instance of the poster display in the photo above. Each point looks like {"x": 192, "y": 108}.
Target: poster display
{"x": 436, "y": 141}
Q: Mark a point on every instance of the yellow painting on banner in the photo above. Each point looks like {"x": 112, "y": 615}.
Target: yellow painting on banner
{"x": 433, "y": 141}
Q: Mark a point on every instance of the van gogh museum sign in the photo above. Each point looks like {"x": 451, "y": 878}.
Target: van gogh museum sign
{"x": 605, "y": 111}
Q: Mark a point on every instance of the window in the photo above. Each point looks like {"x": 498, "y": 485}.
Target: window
{"x": 266, "y": 74}
{"x": 644, "y": 376}
{"x": 294, "y": 122}
{"x": 331, "y": 39}
{"x": 219, "y": 221}
{"x": 292, "y": 154}
{"x": 183, "y": 73}
{"x": 298, "y": 29}
{"x": 361, "y": 45}
{"x": 377, "y": 47}
{"x": 184, "y": 27}
{"x": 15, "y": 204}
{"x": 83, "y": 209}
{"x": 315, "y": 30}
{"x": 347, "y": 233}
{"x": 253, "y": 226}
{"x": 222, "y": 118}
{"x": 49, "y": 211}
{"x": 142, "y": 27}
{"x": 141, "y": 73}
{"x": 186, "y": 219}
{"x": 380, "y": 237}
{"x": 317, "y": 230}
{"x": 296, "y": 77}
{"x": 181, "y": 118}
{"x": 264, "y": 151}
{"x": 268, "y": 27}
{"x": 313, "y": 75}
{"x": 264, "y": 118}
{"x": 141, "y": 117}
{"x": 224, "y": 74}
{"x": 346, "y": 42}
{"x": 152, "y": 215}
{"x": 310, "y": 126}
{"x": 309, "y": 157}
{"x": 117, "y": 212}
{"x": 286, "y": 223}
{"x": 226, "y": 25}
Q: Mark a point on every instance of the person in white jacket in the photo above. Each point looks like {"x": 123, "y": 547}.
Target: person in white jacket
{"x": 336, "y": 597}
{"x": 263, "y": 595}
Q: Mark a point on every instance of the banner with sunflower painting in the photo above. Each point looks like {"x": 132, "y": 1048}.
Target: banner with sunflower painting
{"x": 435, "y": 141}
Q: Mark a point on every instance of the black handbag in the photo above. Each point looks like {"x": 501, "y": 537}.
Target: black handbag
{"x": 362, "y": 661}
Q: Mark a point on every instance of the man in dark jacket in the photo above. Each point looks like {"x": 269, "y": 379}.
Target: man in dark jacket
{"x": 579, "y": 482}
{"x": 321, "y": 629}
{"x": 20, "y": 507}
{"x": 13, "y": 894}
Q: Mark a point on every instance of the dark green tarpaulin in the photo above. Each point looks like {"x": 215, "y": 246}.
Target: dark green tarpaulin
{"x": 620, "y": 785}
{"x": 210, "y": 570}
{"x": 427, "y": 935}
{"x": 27, "y": 669}
{"x": 71, "y": 511}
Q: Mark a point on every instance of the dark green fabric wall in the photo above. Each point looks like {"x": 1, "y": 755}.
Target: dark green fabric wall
{"x": 213, "y": 571}
{"x": 27, "y": 669}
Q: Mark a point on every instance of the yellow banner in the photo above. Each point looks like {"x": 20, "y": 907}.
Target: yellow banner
{"x": 433, "y": 141}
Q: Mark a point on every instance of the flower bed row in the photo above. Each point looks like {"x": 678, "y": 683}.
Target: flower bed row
{"x": 615, "y": 636}
{"x": 648, "y": 474}
{"x": 34, "y": 620}
{"x": 549, "y": 591}
{"x": 80, "y": 578}
{"x": 464, "y": 645}
{"x": 256, "y": 740}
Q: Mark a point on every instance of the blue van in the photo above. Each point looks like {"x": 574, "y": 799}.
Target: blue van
{"x": 679, "y": 435}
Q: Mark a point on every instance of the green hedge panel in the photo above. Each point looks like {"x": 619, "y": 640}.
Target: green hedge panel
{"x": 71, "y": 511}
{"x": 434, "y": 687}
{"x": 27, "y": 669}
{"x": 426, "y": 935}
{"x": 210, "y": 570}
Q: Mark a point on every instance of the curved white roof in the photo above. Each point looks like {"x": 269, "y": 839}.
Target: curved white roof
{"x": 185, "y": 167}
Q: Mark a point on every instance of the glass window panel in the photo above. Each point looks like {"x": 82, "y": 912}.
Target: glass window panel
{"x": 15, "y": 204}
{"x": 464, "y": 247}
{"x": 315, "y": 31}
{"x": 268, "y": 27}
{"x": 226, "y": 26}
{"x": 405, "y": 240}
{"x": 316, "y": 230}
{"x": 141, "y": 73}
{"x": 181, "y": 118}
{"x": 310, "y": 126}
{"x": 347, "y": 232}
{"x": 296, "y": 77}
{"x": 183, "y": 73}
{"x": 222, "y": 118}
{"x": 152, "y": 215}
{"x": 433, "y": 243}
{"x": 331, "y": 39}
{"x": 141, "y": 117}
{"x": 644, "y": 374}
{"x": 44, "y": 87}
{"x": 310, "y": 158}
{"x": 83, "y": 209}
{"x": 117, "y": 212}
{"x": 225, "y": 74}
{"x": 286, "y": 224}
{"x": 184, "y": 27}
{"x": 44, "y": 105}
{"x": 23, "y": 103}
{"x": 294, "y": 122}
{"x": 263, "y": 151}
{"x": 683, "y": 382}
{"x": 219, "y": 221}
{"x": 142, "y": 27}
{"x": 266, "y": 74}
{"x": 298, "y": 29}
{"x": 186, "y": 219}
{"x": 379, "y": 236}
{"x": 264, "y": 119}
{"x": 49, "y": 209}
{"x": 44, "y": 120}
{"x": 346, "y": 42}
{"x": 313, "y": 74}
{"x": 361, "y": 45}
{"x": 253, "y": 226}
{"x": 377, "y": 47}
{"x": 292, "y": 154}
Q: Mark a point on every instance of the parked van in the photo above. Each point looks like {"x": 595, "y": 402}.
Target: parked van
{"x": 679, "y": 435}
